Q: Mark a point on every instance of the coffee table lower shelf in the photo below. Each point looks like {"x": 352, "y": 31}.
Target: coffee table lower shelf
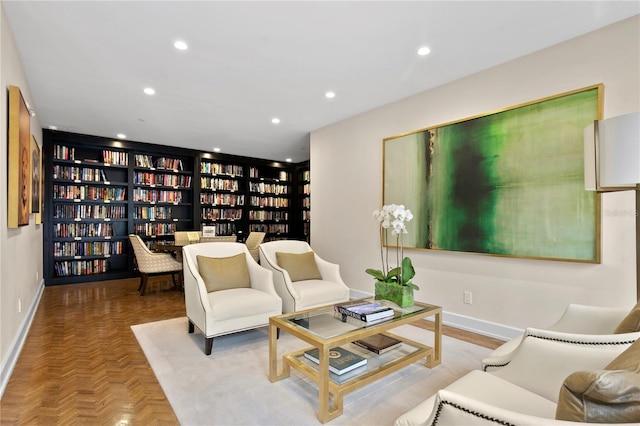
{"x": 331, "y": 387}
{"x": 362, "y": 376}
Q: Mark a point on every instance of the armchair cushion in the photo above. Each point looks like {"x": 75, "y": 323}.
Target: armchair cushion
{"x": 223, "y": 273}
{"x": 300, "y": 266}
{"x": 611, "y": 395}
{"x": 630, "y": 323}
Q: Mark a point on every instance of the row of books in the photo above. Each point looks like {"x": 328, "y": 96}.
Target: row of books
{"x": 154, "y": 196}
{"x": 269, "y": 202}
{"x": 161, "y": 179}
{"x": 91, "y": 193}
{"x": 221, "y": 169}
{"x": 152, "y": 213}
{"x": 218, "y": 184}
{"x": 342, "y": 360}
{"x": 78, "y": 173}
{"x": 95, "y": 248}
{"x": 272, "y": 188}
{"x": 84, "y": 211}
{"x": 222, "y": 199}
{"x": 272, "y": 228}
{"x": 268, "y": 215}
{"x": 160, "y": 163}
{"x": 224, "y": 214}
{"x": 73, "y": 230}
{"x": 254, "y": 173}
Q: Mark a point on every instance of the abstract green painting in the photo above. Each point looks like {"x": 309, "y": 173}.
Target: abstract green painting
{"x": 508, "y": 183}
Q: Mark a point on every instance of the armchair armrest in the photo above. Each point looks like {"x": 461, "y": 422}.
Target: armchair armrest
{"x": 451, "y": 408}
{"x": 261, "y": 278}
{"x": 329, "y": 271}
{"x": 545, "y": 358}
{"x": 587, "y": 319}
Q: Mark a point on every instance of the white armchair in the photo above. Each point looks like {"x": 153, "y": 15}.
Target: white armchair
{"x": 222, "y": 296}
{"x": 532, "y": 388}
{"x": 576, "y": 320}
{"x": 297, "y": 295}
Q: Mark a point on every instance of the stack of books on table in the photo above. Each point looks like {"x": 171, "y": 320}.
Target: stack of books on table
{"x": 378, "y": 343}
{"x": 341, "y": 360}
{"x": 364, "y": 311}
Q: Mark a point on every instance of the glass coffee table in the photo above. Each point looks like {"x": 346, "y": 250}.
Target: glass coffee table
{"x": 323, "y": 329}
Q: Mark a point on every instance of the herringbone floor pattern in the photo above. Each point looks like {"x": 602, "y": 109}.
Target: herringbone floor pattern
{"x": 82, "y": 365}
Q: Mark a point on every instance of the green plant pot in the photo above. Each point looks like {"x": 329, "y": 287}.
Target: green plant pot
{"x": 400, "y": 295}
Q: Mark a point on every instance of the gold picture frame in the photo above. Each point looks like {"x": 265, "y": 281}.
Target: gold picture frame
{"x": 19, "y": 159}
{"x": 36, "y": 179}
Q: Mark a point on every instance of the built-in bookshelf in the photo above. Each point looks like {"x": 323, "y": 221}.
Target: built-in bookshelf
{"x": 88, "y": 211}
{"x": 100, "y": 190}
{"x": 303, "y": 211}
{"x": 222, "y": 196}
{"x": 162, "y": 196}
{"x": 270, "y": 200}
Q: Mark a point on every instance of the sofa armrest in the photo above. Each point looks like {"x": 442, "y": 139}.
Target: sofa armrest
{"x": 329, "y": 271}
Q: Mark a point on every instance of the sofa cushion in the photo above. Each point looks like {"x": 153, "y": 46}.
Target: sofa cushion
{"x": 630, "y": 323}
{"x": 222, "y": 273}
{"x": 611, "y": 395}
{"x": 300, "y": 266}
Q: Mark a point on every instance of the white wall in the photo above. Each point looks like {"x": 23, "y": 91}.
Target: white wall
{"x": 346, "y": 171}
{"x": 21, "y": 248}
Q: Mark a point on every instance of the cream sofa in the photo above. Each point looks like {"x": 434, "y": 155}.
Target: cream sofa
{"x": 527, "y": 390}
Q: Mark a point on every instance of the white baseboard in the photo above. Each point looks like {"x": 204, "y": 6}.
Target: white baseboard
{"x": 485, "y": 328}
{"x": 9, "y": 363}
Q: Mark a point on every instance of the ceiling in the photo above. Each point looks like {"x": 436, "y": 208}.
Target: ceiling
{"x": 87, "y": 62}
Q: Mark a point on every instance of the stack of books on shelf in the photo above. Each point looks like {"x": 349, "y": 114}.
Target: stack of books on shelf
{"x": 378, "y": 343}
{"x": 368, "y": 312}
{"x": 341, "y": 360}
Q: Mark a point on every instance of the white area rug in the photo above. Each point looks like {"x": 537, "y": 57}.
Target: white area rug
{"x": 231, "y": 386}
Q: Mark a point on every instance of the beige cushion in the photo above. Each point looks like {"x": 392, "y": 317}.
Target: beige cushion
{"x": 611, "y": 395}
{"x": 222, "y": 273}
{"x": 300, "y": 266}
{"x": 630, "y": 323}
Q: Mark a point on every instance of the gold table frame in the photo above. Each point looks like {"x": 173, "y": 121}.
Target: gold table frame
{"x": 321, "y": 376}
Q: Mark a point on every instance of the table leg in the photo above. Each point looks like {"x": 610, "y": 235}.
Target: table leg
{"x": 274, "y": 376}
{"x": 326, "y": 410}
{"x": 436, "y": 356}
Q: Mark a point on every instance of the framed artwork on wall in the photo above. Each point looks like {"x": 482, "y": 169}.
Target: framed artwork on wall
{"x": 506, "y": 183}
{"x": 19, "y": 159}
{"x": 36, "y": 172}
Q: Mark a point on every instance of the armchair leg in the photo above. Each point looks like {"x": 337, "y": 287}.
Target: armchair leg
{"x": 208, "y": 345}
{"x": 143, "y": 284}
{"x": 277, "y": 333}
{"x": 191, "y": 327}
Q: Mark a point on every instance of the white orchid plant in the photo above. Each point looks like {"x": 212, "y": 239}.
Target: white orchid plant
{"x": 394, "y": 217}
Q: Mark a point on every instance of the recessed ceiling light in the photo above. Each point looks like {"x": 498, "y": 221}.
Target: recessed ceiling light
{"x": 330, "y": 95}
{"x": 275, "y": 120}
{"x": 121, "y": 136}
{"x": 423, "y": 51}
{"x": 216, "y": 149}
{"x": 180, "y": 45}
{"x": 149, "y": 91}
{"x": 288, "y": 160}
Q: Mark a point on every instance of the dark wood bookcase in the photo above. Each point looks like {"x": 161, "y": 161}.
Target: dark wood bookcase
{"x": 100, "y": 190}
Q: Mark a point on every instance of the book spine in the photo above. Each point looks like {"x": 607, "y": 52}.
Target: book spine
{"x": 344, "y": 311}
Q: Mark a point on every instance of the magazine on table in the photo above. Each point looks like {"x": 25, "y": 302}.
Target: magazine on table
{"x": 378, "y": 343}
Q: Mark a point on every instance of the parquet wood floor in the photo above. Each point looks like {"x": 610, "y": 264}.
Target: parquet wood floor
{"x": 81, "y": 363}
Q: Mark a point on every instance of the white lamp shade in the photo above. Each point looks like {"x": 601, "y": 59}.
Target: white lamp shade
{"x": 612, "y": 153}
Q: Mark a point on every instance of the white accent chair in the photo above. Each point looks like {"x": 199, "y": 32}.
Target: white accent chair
{"x": 299, "y": 295}
{"x": 527, "y": 391}
{"x": 150, "y": 263}
{"x": 227, "y": 311}
{"x": 576, "y": 320}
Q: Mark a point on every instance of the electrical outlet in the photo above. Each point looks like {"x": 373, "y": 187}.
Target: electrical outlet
{"x": 468, "y": 297}
{"x": 37, "y": 275}
{"x": 19, "y": 304}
